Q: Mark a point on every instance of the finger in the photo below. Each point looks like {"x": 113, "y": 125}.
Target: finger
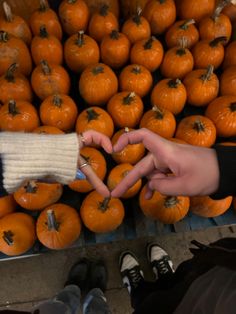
{"x": 173, "y": 186}
{"x": 93, "y": 137}
{"x": 156, "y": 175}
{"x": 149, "y": 192}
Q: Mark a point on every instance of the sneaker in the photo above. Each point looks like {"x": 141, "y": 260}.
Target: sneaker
{"x": 130, "y": 270}
{"x": 79, "y": 274}
{"x": 98, "y": 276}
{"x": 160, "y": 261}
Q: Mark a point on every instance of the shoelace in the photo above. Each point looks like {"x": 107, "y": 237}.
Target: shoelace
{"x": 134, "y": 276}
{"x": 163, "y": 266}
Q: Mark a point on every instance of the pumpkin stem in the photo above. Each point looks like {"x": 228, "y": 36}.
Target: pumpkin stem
{"x": 12, "y": 109}
{"x": 104, "y": 10}
{"x": 43, "y": 31}
{"x": 158, "y": 113}
{"x": 97, "y": 70}
{"x": 80, "y": 40}
{"x": 209, "y": 71}
{"x": 186, "y": 24}
{"x": 51, "y": 221}
{"x": 4, "y": 36}
{"x": 92, "y": 114}
{"x": 219, "y": 8}
{"x": 71, "y": 1}
{"x": 171, "y": 201}
{"x": 10, "y": 72}
{"x": 114, "y": 34}
{"x": 162, "y": 1}
{"x": 218, "y": 40}
{"x": 126, "y": 129}
{"x": 174, "y": 83}
{"x": 43, "y": 6}
{"x": 136, "y": 69}
{"x": 129, "y": 98}
{"x": 137, "y": 17}
{"x": 45, "y": 67}
{"x": 103, "y": 206}
{"x": 8, "y": 237}
{"x": 31, "y": 187}
{"x": 7, "y": 12}
{"x": 57, "y": 101}
{"x": 233, "y": 107}
{"x": 198, "y": 126}
{"x": 148, "y": 43}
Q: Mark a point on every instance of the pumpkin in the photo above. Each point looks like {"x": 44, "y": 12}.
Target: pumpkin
{"x": 47, "y": 129}
{"x": 197, "y": 10}
{"x": 15, "y": 24}
{"x": 60, "y": 111}
{"x": 177, "y": 62}
{"x": 161, "y": 15}
{"x": 228, "y": 81}
{"x": 126, "y": 109}
{"x": 43, "y": 15}
{"x": 230, "y": 11}
{"x": 95, "y": 118}
{"x": 177, "y": 140}
{"x": 7, "y": 205}
{"x": 230, "y": 55}
{"x": 130, "y": 7}
{"x": 17, "y": 234}
{"x": 115, "y": 49}
{"x": 98, "y": 163}
{"x": 50, "y": 79}
{"x": 180, "y": 29}
{"x": 136, "y": 78}
{"x": 80, "y": 51}
{"x": 136, "y": 28}
{"x": 95, "y": 5}
{"x": 160, "y": 121}
{"x": 196, "y": 130}
{"x": 74, "y": 16}
{"x": 14, "y": 85}
{"x": 14, "y": 50}
{"x": 101, "y": 214}
{"x": 46, "y": 47}
{"x": 58, "y": 226}
{"x": 117, "y": 174}
{"x": 205, "y": 206}
{"x": 18, "y": 116}
{"x": 222, "y": 111}
{"x": 36, "y": 195}
{"x": 102, "y": 23}
{"x": 97, "y": 84}
{"x": 169, "y": 94}
{"x": 166, "y": 209}
{"x": 131, "y": 154}
{"x": 202, "y": 86}
{"x": 207, "y": 52}
{"x": 147, "y": 52}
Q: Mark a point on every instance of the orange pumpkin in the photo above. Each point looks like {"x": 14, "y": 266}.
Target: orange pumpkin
{"x": 222, "y": 111}
{"x": 117, "y": 174}
{"x": 98, "y": 163}
{"x": 167, "y": 209}
{"x": 47, "y": 129}
{"x": 80, "y": 51}
{"x": 230, "y": 11}
{"x": 115, "y": 49}
{"x": 147, "y": 52}
{"x": 101, "y": 215}
{"x": 196, "y": 130}
{"x": 131, "y": 154}
{"x": 48, "y": 80}
{"x": 130, "y": 7}
{"x": 202, "y": 86}
{"x": 60, "y": 111}
{"x": 95, "y": 118}
{"x": 14, "y": 85}
{"x": 230, "y": 55}
{"x": 7, "y": 205}
{"x": 58, "y": 226}
{"x": 228, "y": 81}
{"x": 160, "y": 121}
{"x": 136, "y": 78}
{"x": 205, "y": 206}
{"x": 18, "y": 116}
{"x": 95, "y": 5}
{"x": 97, "y": 84}
{"x": 169, "y": 94}
{"x": 197, "y": 10}
{"x": 17, "y": 234}
{"x": 126, "y": 109}
{"x": 74, "y": 16}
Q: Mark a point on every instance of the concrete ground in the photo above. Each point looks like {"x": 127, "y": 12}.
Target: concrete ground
{"x": 27, "y": 281}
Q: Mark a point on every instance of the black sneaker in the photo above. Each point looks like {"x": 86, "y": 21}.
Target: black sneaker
{"x": 98, "y": 276}
{"x": 130, "y": 270}
{"x": 79, "y": 274}
{"x": 160, "y": 261}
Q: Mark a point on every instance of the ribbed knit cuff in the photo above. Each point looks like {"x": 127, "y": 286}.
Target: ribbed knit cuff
{"x": 37, "y": 156}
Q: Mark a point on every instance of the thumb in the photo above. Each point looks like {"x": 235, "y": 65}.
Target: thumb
{"x": 174, "y": 186}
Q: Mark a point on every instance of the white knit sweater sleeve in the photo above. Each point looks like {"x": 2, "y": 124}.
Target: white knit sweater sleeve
{"x": 37, "y": 156}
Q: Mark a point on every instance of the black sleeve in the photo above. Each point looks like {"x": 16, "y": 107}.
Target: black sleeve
{"x": 3, "y": 192}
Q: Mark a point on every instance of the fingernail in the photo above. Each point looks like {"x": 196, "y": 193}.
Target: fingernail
{"x": 80, "y": 175}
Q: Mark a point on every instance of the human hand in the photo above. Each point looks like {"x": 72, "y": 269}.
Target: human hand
{"x": 195, "y": 169}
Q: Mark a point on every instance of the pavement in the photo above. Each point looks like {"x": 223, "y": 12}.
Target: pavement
{"x": 27, "y": 281}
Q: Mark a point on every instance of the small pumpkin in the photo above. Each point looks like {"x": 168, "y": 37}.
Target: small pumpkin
{"x": 169, "y": 94}
{"x": 80, "y": 51}
{"x": 197, "y": 10}
{"x": 196, "y": 130}
{"x": 131, "y": 154}
{"x": 95, "y": 118}
{"x": 98, "y": 163}
{"x": 7, "y": 205}
{"x": 166, "y": 209}
{"x": 95, "y": 5}
{"x": 58, "y": 226}
{"x": 230, "y": 11}
{"x": 147, "y": 52}
{"x": 101, "y": 215}
{"x": 136, "y": 78}
{"x": 17, "y": 234}
{"x": 47, "y": 129}
{"x": 130, "y": 7}
{"x": 117, "y": 174}
{"x": 60, "y": 111}
{"x": 228, "y": 81}
{"x": 126, "y": 109}
{"x": 160, "y": 121}
{"x": 230, "y": 55}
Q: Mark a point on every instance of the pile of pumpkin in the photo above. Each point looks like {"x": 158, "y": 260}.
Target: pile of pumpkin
{"x": 168, "y": 66}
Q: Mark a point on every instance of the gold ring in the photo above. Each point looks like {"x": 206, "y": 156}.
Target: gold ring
{"x": 82, "y": 138}
{"x": 84, "y": 165}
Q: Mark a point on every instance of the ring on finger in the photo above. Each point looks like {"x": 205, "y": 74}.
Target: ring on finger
{"x": 83, "y": 165}
{"x": 82, "y": 138}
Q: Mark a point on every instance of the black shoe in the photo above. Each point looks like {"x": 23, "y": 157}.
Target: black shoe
{"x": 130, "y": 270}
{"x": 160, "y": 261}
{"x": 79, "y": 275}
{"x": 98, "y": 276}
